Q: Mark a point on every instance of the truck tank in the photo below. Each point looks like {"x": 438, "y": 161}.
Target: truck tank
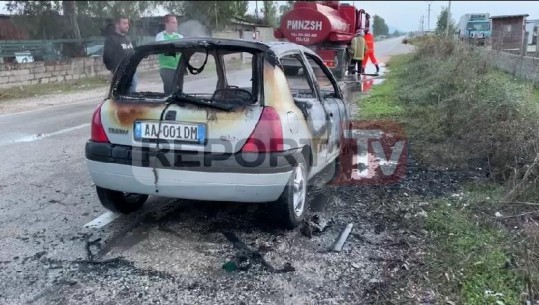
{"x": 327, "y": 27}
{"x": 312, "y": 23}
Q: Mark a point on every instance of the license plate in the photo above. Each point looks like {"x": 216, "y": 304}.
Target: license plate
{"x": 170, "y": 131}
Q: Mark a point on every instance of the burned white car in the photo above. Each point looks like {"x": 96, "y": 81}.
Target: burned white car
{"x": 234, "y": 128}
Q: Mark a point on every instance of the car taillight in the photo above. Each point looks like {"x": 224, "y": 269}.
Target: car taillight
{"x": 268, "y": 134}
{"x": 98, "y": 132}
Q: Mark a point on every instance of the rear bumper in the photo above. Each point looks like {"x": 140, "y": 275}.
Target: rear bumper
{"x": 199, "y": 176}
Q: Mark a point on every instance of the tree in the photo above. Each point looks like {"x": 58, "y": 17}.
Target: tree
{"x": 132, "y": 9}
{"x": 270, "y": 13}
{"x": 379, "y": 26}
{"x": 53, "y": 19}
{"x": 441, "y": 24}
{"x": 33, "y": 8}
{"x": 239, "y": 8}
{"x": 59, "y": 17}
{"x": 46, "y": 20}
{"x": 212, "y": 14}
{"x": 285, "y": 8}
{"x": 73, "y": 32}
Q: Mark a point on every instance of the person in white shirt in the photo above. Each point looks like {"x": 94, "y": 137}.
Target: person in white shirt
{"x": 168, "y": 64}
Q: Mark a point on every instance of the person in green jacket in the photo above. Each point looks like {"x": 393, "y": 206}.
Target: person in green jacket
{"x": 168, "y": 64}
{"x": 358, "y": 50}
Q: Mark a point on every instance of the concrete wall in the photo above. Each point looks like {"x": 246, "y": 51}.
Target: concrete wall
{"x": 266, "y": 34}
{"x": 12, "y": 75}
{"x": 520, "y": 66}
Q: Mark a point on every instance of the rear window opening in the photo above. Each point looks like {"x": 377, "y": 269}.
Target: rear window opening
{"x": 210, "y": 75}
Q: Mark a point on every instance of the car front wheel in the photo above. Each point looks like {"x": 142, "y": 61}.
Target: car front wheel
{"x": 292, "y": 204}
{"x": 120, "y": 202}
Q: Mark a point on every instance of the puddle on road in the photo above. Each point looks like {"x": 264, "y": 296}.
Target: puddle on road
{"x": 353, "y": 88}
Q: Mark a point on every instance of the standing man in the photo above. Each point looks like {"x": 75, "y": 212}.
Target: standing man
{"x": 118, "y": 45}
{"x": 369, "y": 54}
{"x": 359, "y": 48}
{"x": 168, "y": 64}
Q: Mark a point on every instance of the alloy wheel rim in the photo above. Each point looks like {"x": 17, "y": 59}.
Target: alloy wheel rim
{"x": 299, "y": 189}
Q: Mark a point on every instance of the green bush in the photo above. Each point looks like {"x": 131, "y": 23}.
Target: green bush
{"x": 474, "y": 115}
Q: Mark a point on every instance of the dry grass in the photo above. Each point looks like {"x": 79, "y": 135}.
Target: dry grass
{"x": 465, "y": 115}
{"x": 483, "y": 246}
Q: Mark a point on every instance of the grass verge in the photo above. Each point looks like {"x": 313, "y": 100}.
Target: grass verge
{"x": 470, "y": 258}
{"x": 460, "y": 114}
{"x": 53, "y": 88}
{"x": 382, "y": 100}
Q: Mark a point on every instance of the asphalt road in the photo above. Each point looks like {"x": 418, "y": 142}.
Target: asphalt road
{"x": 58, "y": 245}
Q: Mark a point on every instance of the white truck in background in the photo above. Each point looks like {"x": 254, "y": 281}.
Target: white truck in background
{"x": 476, "y": 27}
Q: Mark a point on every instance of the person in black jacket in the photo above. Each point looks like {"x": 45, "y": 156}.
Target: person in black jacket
{"x": 117, "y": 45}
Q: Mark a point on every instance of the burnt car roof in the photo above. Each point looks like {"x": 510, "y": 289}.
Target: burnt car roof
{"x": 277, "y": 47}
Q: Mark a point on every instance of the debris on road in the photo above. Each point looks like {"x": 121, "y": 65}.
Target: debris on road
{"x": 306, "y": 229}
{"x": 89, "y": 244}
{"x": 245, "y": 258}
{"x": 319, "y": 224}
{"x": 316, "y": 225}
{"x": 422, "y": 214}
{"x": 339, "y": 243}
{"x": 230, "y": 266}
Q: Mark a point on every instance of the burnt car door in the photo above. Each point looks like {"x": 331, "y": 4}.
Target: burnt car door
{"x": 306, "y": 97}
{"x": 332, "y": 100}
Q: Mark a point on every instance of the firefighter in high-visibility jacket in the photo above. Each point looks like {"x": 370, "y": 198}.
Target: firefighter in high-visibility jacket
{"x": 370, "y": 52}
{"x": 358, "y": 50}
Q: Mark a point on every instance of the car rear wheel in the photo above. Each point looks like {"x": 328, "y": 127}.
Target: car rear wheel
{"x": 120, "y": 202}
{"x": 292, "y": 204}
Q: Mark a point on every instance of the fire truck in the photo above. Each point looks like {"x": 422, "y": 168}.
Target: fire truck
{"x": 326, "y": 27}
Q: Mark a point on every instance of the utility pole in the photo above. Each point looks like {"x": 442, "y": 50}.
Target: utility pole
{"x": 216, "y": 20}
{"x": 256, "y": 10}
{"x": 448, "y": 19}
{"x": 428, "y": 18}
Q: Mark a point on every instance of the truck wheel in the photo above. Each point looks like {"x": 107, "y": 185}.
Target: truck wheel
{"x": 292, "y": 205}
{"x": 291, "y": 71}
{"x": 120, "y": 202}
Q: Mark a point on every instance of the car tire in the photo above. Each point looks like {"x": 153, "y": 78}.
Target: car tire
{"x": 120, "y": 202}
{"x": 292, "y": 204}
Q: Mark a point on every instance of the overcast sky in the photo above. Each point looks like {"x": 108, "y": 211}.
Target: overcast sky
{"x": 405, "y": 15}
